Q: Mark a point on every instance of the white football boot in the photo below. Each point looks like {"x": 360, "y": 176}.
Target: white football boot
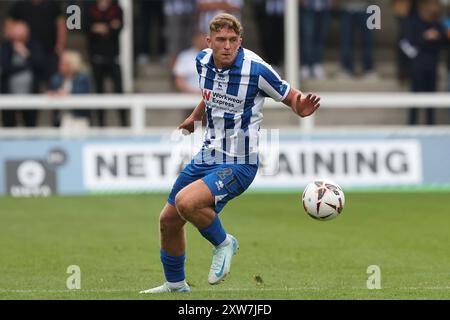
{"x": 165, "y": 288}
{"x": 221, "y": 262}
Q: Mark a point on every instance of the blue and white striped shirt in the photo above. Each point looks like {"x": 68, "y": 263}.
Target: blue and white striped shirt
{"x": 234, "y": 98}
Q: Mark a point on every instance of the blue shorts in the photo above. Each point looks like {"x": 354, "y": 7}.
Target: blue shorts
{"x": 226, "y": 181}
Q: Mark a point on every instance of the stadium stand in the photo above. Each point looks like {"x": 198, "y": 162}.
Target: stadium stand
{"x": 156, "y": 76}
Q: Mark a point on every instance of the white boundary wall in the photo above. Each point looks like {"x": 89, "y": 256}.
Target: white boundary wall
{"x": 139, "y": 103}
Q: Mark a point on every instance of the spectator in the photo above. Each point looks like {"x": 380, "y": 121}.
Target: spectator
{"x": 423, "y": 41}
{"x": 258, "y": 8}
{"x": 272, "y": 38}
{"x": 47, "y": 26}
{"x": 104, "y": 21}
{"x": 207, "y": 9}
{"x": 185, "y": 69}
{"x": 70, "y": 79}
{"x": 180, "y": 25}
{"x": 446, "y": 23}
{"x": 403, "y": 9}
{"x": 21, "y": 60}
{"x": 354, "y": 19}
{"x": 151, "y": 15}
{"x": 315, "y": 22}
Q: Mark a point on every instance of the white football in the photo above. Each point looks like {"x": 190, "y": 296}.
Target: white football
{"x": 323, "y": 199}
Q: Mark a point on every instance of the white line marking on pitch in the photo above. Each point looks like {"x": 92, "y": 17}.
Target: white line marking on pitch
{"x": 225, "y": 290}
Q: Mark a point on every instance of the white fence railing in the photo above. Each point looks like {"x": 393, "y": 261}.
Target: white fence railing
{"x": 138, "y": 103}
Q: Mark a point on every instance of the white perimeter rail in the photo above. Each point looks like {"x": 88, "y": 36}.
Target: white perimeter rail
{"x": 138, "y": 103}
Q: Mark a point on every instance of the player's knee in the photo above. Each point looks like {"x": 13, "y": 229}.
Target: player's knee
{"x": 165, "y": 224}
{"x": 184, "y": 205}
{"x": 168, "y": 222}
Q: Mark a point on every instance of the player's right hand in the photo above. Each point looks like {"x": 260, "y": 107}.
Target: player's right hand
{"x": 187, "y": 126}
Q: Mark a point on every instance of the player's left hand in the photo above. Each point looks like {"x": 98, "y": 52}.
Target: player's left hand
{"x": 307, "y": 105}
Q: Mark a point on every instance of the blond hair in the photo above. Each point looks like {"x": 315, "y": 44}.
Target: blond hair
{"x": 74, "y": 59}
{"x": 225, "y": 20}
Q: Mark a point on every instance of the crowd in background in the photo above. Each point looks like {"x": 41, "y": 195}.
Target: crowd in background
{"x": 34, "y": 57}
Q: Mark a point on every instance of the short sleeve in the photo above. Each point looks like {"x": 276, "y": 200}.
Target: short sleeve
{"x": 183, "y": 65}
{"x": 200, "y": 56}
{"x": 270, "y": 83}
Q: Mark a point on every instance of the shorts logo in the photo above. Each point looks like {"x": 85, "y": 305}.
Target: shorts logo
{"x": 219, "y": 185}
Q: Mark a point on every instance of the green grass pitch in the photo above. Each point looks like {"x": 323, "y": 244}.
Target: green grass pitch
{"x": 283, "y": 254}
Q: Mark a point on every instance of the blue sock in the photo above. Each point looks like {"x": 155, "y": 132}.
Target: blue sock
{"x": 215, "y": 233}
{"x": 173, "y": 267}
